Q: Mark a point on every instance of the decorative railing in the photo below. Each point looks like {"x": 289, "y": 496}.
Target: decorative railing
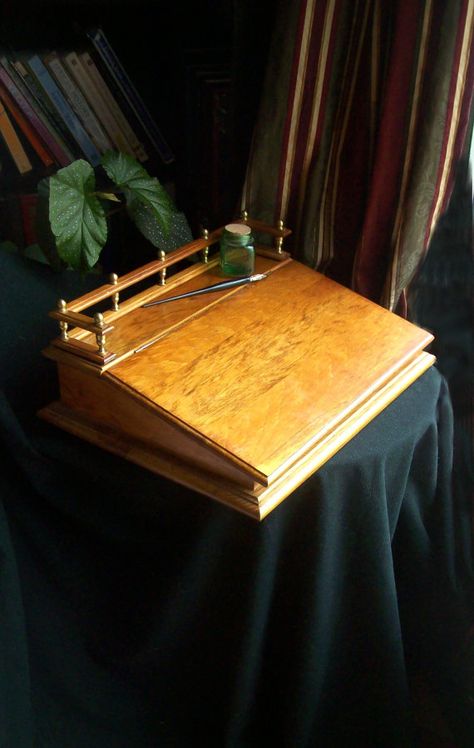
{"x": 74, "y": 325}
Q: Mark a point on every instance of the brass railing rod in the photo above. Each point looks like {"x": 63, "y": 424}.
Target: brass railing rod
{"x": 143, "y": 272}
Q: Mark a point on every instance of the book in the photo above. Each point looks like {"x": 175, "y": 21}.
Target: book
{"x": 25, "y": 127}
{"x": 105, "y": 93}
{"x": 38, "y": 98}
{"x": 131, "y": 95}
{"x": 96, "y": 101}
{"x": 13, "y": 143}
{"x": 64, "y": 110}
{"x": 37, "y": 120}
{"x": 78, "y": 102}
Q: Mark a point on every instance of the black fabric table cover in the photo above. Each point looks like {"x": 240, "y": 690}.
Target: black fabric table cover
{"x": 137, "y": 614}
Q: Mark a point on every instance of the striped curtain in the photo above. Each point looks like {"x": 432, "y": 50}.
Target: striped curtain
{"x": 365, "y": 113}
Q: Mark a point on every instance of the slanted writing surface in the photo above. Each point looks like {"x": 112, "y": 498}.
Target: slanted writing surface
{"x": 274, "y": 366}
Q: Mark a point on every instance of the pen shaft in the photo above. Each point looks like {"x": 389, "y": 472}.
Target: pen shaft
{"x": 209, "y": 289}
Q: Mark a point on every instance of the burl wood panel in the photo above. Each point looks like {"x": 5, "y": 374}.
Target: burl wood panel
{"x": 271, "y": 370}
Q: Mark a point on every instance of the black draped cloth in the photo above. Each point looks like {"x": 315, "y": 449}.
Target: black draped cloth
{"x": 137, "y": 614}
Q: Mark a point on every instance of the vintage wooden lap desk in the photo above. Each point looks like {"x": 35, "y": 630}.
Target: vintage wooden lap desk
{"x": 241, "y": 394}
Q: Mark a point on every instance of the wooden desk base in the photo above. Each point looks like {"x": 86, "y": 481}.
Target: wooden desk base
{"x": 256, "y": 503}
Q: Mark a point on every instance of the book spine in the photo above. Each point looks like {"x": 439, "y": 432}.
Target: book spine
{"x": 61, "y": 156}
{"x": 104, "y": 91}
{"x": 79, "y": 103}
{"x": 32, "y": 89}
{"x": 12, "y": 141}
{"x": 94, "y": 98}
{"x": 130, "y": 93}
{"x": 25, "y": 128}
{"x": 64, "y": 110}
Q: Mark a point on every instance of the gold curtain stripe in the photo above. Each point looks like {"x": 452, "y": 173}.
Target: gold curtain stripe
{"x": 316, "y": 105}
{"x": 297, "y": 103}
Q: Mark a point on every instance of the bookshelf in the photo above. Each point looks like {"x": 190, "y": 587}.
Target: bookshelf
{"x": 198, "y": 70}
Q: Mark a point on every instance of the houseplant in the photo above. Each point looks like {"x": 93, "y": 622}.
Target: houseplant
{"x": 75, "y": 205}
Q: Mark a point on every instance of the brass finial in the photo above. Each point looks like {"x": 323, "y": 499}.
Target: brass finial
{"x": 99, "y": 319}
{"x": 244, "y": 216}
{"x": 205, "y": 253}
{"x": 113, "y": 279}
{"x": 63, "y": 327}
{"x": 162, "y": 256}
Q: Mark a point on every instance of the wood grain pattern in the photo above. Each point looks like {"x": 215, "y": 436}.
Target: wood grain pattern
{"x": 139, "y": 326}
{"x": 242, "y": 397}
{"x": 256, "y": 503}
{"x": 264, "y": 251}
{"x": 102, "y": 402}
{"x": 82, "y": 320}
{"x": 87, "y": 351}
{"x": 149, "y": 458}
{"x": 276, "y": 367}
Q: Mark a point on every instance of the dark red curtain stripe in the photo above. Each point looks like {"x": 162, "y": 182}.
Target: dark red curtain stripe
{"x": 344, "y": 199}
{"x": 374, "y": 250}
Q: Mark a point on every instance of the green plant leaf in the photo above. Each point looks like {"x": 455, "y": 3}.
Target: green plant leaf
{"x": 76, "y": 215}
{"x": 145, "y": 221}
{"x": 45, "y": 236}
{"x": 139, "y": 188}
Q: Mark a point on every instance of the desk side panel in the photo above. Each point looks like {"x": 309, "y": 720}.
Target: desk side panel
{"x": 116, "y": 410}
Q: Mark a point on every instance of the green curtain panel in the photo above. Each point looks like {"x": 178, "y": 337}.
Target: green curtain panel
{"x": 364, "y": 115}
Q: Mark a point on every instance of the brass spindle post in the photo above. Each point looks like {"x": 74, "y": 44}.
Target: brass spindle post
{"x": 279, "y": 239}
{"x": 100, "y": 336}
{"x": 115, "y": 298}
{"x": 205, "y": 252}
{"x": 63, "y": 327}
{"x": 162, "y": 256}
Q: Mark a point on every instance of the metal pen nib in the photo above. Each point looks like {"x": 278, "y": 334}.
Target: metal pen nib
{"x": 210, "y": 289}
